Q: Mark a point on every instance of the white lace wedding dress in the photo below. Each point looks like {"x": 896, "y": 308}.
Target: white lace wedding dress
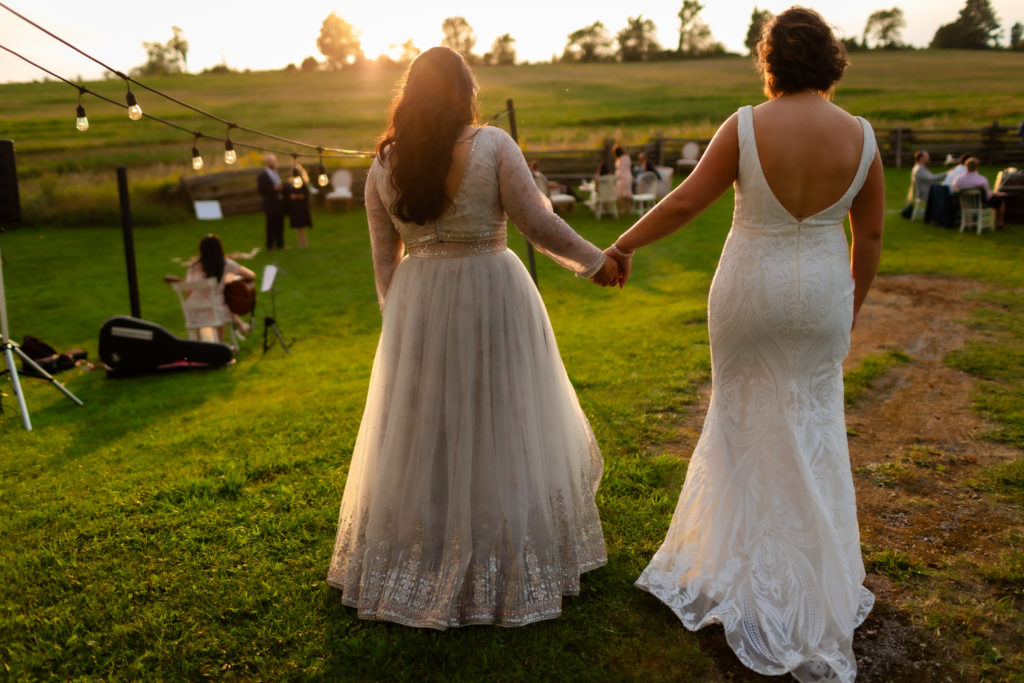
{"x": 470, "y": 495}
{"x": 764, "y": 538}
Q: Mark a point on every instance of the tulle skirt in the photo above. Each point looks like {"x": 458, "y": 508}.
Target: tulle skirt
{"x": 470, "y": 496}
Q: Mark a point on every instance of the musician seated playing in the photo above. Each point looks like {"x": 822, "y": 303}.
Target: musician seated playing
{"x": 211, "y": 262}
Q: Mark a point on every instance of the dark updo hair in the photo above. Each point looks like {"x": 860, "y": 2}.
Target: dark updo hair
{"x": 797, "y": 52}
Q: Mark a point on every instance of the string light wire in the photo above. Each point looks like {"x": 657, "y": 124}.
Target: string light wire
{"x": 332, "y": 152}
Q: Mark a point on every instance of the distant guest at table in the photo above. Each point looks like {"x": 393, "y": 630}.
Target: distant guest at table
{"x": 957, "y": 171}
{"x": 921, "y": 180}
{"x": 972, "y": 179}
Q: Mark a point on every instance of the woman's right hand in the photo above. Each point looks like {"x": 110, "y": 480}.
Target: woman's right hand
{"x": 609, "y": 274}
{"x": 623, "y": 259}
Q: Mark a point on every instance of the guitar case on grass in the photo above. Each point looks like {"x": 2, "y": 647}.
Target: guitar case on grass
{"x": 130, "y": 346}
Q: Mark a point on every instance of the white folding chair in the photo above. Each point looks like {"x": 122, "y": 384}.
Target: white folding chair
{"x": 973, "y": 212}
{"x": 604, "y": 196}
{"x": 204, "y": 310}
{"x": 664, "y": 185}
{"x": 691, "y": 153}
{"x": 558, "y": 200}
{"x": 341, "y": 183}
{"x": 643, "y": 196}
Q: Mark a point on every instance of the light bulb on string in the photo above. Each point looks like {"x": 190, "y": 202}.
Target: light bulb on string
{"x": 296, "y": 173}
{"x": 230, "y": 156}
{"x": 322, "y": 178}
{"x": 197, "y": 159}
{"x": 134, "y": 110}
{"x": 81, "y": 120}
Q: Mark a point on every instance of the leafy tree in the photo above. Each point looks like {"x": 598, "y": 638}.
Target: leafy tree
{"x": 695, "y": 39}
{"x": 459, "y": 36}
{"x": 589, "y": 44}
{"x": 758, "y": 19}
{"x": 884, "y": 27}
{"x": 339, "y": 42}
{"x": 309, "y": 64}
{"x": 852, "y": 44}
{"x": 179, "y": 45}
{"x": 636, "y": 41}
{"x": 977, "y": 28}
{"x": 1017, "y": 36}
{"x": 164, "y": 58}
{"x": 409, "y": 53}
{"x": 502, "y": 51}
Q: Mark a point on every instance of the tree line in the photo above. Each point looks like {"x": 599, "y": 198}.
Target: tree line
{"x": 977, "y": 27}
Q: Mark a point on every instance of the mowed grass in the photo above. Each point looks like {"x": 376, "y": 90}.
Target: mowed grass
{"x": 180, "y": 526}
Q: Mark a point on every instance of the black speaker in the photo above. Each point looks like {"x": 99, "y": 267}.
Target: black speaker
{"x": 10, "y": 205}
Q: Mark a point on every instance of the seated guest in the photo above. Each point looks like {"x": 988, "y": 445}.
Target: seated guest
{"x": 553, "y": 187}
{"x": 643, "y": 164}
{"x": 957, "y": 171}
{"x": 921, "y": 178}
{"x": 972, "y": 179}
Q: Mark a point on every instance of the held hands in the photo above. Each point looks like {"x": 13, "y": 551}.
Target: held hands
{"x": 615, "y": 271}
{"x": 609, "y": 274}
{"x": 625, "y": 261}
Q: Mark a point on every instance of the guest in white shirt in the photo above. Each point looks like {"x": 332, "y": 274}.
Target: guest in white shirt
{"x": 957, "y": 171}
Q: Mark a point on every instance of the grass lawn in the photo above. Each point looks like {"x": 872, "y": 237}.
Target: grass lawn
{"x": 180, "y": 526}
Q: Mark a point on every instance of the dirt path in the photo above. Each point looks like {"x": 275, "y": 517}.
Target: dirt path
{"x": 914, "y": 444}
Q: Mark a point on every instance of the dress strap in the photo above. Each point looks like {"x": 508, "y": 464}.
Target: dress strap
{"x": 867, "y": 155}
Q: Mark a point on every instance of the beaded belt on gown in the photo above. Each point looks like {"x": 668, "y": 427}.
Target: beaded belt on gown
{"x": 439, "y": 249}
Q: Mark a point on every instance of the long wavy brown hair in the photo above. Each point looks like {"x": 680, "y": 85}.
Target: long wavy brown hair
{"x": 436, "y": 101}
{"x": 211, "y": 256}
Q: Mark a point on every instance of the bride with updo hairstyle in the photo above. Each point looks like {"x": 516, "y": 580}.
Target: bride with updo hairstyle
{"x": 798, "y": 52}
{"x": 764, "y": 538}
{"x": 470, "y": 493}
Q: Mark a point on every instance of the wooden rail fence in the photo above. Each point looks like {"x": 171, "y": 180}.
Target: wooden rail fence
{"x": 994, "y": 145}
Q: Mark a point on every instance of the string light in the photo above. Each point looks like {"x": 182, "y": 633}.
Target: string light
{"x": 229, "y": 148}
{"x": 296, "y": 173}
{"x": 81, "y": 120}
{"x": 197, "y": 160}
{"x": 134, "y": 110}
{"x": 322, "y": 179}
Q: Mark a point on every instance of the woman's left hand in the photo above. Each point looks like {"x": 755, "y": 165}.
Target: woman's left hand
{"x": 609, "y": 273}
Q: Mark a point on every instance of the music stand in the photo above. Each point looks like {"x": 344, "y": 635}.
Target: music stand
{"x": 10, "y": 348}
{"x": 269, "y": 322}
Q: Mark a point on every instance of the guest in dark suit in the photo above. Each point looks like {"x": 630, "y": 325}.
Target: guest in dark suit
{"x": 270, "y": 187}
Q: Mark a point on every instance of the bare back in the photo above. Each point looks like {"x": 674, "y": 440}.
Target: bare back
{"x": 810, "y": 150}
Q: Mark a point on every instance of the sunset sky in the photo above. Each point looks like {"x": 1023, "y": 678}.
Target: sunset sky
{"x": 263, "y": 35}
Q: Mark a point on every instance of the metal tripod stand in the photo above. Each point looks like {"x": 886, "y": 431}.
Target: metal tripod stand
{"x": 11, "y": 348}
{"x": 270, "y": 325}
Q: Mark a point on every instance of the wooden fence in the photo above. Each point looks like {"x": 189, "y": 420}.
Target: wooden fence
{"x": 994, "y": 145}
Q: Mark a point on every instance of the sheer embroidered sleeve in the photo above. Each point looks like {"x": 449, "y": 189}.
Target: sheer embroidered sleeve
{"x": 525, "y": 206}
{"x": 385, "y": 242}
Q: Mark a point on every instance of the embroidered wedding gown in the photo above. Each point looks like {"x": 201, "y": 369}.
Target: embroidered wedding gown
{"x": 764, "y": 538}
{"x": 470, "y": 496}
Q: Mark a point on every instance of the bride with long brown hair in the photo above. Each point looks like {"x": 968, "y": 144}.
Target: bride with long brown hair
{"x": 470, "y": 495}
